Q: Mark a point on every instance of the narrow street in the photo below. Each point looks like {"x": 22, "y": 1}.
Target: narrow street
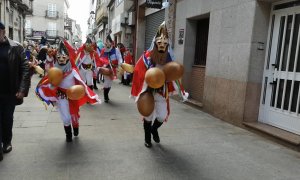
{"x": 194, "y": 145}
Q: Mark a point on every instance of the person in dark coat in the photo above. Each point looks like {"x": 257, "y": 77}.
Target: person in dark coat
{"x": 15, "y": 80}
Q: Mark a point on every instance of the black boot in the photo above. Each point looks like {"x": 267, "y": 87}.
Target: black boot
{"x": 154, "y": 132}
{"x": 95, "y": 84}
{"x": 105, "y": 92}
{"x": 76, "y": 131}
{"x": 68, "y": 131}
{"x": 147, "y": 129}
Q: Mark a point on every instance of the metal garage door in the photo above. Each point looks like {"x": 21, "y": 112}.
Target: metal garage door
{"x": 152, "y": 23}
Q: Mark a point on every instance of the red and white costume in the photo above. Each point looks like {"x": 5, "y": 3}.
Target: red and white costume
{"x": 110, "y": 59}
{"x": 68, "y": 109}
{"x": 87, "y": 64}
{"x": 49, "y": 62}
{"x": 161, "y": 97}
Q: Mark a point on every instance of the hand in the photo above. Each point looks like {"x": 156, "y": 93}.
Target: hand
{"x": 20, "y": 95}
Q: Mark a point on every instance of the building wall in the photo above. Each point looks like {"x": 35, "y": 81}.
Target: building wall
{"x": 234, "y": 66}
{"x": 121, "y": 32}
{"x": 38, "y": 20}
{"x": 17, "y": 24}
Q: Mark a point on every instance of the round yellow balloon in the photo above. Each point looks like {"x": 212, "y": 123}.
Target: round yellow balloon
{"x": 155, "y": 77}
{"x": 173, "y": 71}
{"x": 76, "y": 92}
{"x": 121, "y": 71}
{"x": 127, "y": 67}
{"x": 55, "y": 76}
{"x": 145, "y": 103}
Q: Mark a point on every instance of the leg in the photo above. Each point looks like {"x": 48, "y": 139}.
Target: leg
{"x": 147, "y": 130}
{"x": 105, "y": 93}
{"x": 154, "y": 131}
{"x": 64, "y": 111}
{"x": 1, "y": 119}
{"x": 95, "y": 83}
{"x": 106, "y": 87}
{"x": 7, "y": 124}
{"x": 161, "y": 112}
{"x": 68, "y": 132}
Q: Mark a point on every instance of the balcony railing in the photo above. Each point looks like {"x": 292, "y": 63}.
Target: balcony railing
{"x": 52, "y": 33}
{"x": 102, "y": 14}
{"x": 28, "y": 32}
{"x": 52, "y": 14}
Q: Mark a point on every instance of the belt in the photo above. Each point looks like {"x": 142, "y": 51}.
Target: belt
{"x": 86, "y": 66}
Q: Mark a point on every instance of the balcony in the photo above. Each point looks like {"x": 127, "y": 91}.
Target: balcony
{"x": 52, "y": 33}
{"x": 28, "y": 32}
{"x": 52, "y": 14}
{"x": 101, "y": 15}
{"x": 25, "y": 5}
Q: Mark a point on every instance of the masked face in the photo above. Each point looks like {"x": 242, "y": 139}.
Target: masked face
{"x": 62, "y": 59}
{"x": 88, "y": 47}
{"x": 162, "y": 43}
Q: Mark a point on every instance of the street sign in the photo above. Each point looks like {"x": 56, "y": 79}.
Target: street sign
{"x": 154, "y": 4}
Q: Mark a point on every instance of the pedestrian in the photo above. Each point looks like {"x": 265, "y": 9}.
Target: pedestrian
{"x": 158, "y": 55}
{"x": 111, "y": 57}
{"x": 68, "y": 93}
{"x": 42, "y": 56}
{"x": 15, "y": 80}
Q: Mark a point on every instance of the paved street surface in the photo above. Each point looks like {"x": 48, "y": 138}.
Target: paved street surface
{"x": 194, "y": 145}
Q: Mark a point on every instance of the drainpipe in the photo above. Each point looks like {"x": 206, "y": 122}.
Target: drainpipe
{"x": 135, "y": 30}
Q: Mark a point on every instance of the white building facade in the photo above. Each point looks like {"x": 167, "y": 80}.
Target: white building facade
{"x": 48, "y": 20}
{"x": 241, "y": 58}
{"x": 12, "y": 14}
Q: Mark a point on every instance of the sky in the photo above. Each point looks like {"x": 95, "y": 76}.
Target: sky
{"x": 79, "y": 11}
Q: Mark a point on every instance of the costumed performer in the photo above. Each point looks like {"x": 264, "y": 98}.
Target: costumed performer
{"x": 110, "y": 58}
{"x": 64, "y": 87}
{"x": 153, "y": 99}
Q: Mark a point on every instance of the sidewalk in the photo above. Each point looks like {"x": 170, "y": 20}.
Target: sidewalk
{"x": 194, "y": 145}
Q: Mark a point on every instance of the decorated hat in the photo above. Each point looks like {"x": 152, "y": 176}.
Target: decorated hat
{"x": 108, "y": 37}
{"x": 62, "y": 49}
{"x": 88, "y": 40}
{"x": 162, "y": 29}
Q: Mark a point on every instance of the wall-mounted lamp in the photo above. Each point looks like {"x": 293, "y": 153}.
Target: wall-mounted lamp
{"x": 260, "y": 46}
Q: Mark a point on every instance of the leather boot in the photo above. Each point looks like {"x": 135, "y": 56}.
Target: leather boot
{"x": 76, "y": 131}
{"x": 105, "y": 92}
{"x": 95, "y": 84}
{"x": 147, "y": 129}
{"x": 68, "y": 131}
{"x": 154, "y": 132}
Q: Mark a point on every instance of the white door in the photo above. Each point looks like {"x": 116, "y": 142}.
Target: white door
{"x": 281, "y": 83}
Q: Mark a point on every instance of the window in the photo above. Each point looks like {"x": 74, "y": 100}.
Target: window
{"x": 51, "y": 29}
{"x": 118, "y": 2}
{"x": 52, "y": 10}
{"x": 30, "y": 5}
{"x": 27, "y": 24}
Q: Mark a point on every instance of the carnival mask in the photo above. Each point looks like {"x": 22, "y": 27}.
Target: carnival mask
{"x": 62, "y": 59}
{"x": 88, "y": 47}
{"x": 162, "y": 43}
